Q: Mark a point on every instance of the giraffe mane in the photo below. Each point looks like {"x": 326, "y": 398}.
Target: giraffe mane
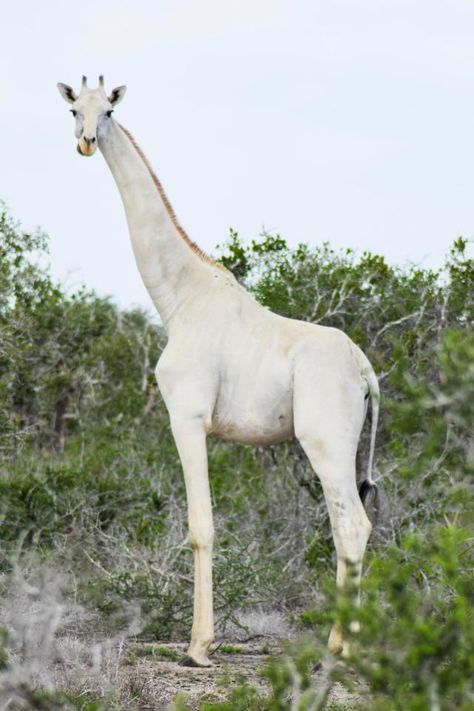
{"x": 169, "y": 208}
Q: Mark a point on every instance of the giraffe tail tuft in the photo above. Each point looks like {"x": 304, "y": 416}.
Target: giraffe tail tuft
{"x": 369, "y": 493}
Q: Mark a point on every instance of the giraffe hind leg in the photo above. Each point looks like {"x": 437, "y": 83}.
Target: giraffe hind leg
{"x": 349, "y": 523}
{"x": 328, "y": 421}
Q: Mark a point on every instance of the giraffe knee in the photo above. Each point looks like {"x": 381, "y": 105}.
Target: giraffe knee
{"x": 350, "y": 539}
{"x": 201, "y": 537}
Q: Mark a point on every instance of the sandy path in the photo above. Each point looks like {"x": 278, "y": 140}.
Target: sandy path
{"x": 151, "y": 678}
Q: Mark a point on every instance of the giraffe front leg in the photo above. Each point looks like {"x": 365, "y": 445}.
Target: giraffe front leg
{"x": 190, "y": 438}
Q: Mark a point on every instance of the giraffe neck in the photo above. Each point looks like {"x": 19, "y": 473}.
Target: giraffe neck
{"x": 171, "y": 266}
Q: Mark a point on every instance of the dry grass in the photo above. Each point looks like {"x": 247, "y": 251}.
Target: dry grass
{"x": 49, "y": 640}
{"x": 54, "y": 645}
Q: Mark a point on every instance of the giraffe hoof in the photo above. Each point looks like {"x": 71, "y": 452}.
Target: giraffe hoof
{"x": 346, "y": 651}
{"x": 336, "y": 648}
{"x": 188, "y": 661}
{"x": 335, "y": 642}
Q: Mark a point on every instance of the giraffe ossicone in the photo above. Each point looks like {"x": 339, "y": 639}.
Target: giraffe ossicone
{"x": 231, "y": 368}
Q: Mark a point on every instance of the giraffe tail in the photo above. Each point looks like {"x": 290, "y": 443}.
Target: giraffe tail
{"x": 370, "y": 492}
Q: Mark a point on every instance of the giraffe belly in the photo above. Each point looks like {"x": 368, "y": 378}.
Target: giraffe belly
{"x": 263, "y": 416}
{"x": 253, "y": 432}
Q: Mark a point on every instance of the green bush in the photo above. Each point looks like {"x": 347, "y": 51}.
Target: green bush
{"x": 90, "y": 477}
{"x": 416, "y": 646}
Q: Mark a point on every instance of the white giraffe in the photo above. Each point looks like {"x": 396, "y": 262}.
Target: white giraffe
{"x": 233, "y": 369}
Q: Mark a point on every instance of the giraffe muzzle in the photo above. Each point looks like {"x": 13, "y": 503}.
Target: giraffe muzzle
{"x": 87, "y": 146}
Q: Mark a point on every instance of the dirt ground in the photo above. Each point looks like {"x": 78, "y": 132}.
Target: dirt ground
{"x": 151, "y": 677}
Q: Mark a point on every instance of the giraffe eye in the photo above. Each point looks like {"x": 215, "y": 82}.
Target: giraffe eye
{"x": 109, "y": 113}
{"x": 74, "y": 112}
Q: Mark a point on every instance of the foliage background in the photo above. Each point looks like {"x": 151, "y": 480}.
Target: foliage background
{"x": 90, "y": 483}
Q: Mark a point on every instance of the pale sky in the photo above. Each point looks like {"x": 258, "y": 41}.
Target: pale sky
{"x": 342, "y": 120}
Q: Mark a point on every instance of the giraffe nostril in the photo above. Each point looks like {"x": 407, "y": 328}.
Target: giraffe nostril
{"x": 93, "y": 139}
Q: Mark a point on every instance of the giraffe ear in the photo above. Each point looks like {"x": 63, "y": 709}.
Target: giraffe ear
{"x": 117, "y": 95}
{"x": 67, "y": 93}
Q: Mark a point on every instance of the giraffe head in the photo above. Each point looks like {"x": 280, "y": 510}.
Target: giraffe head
{"x": 92, "y": 109}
